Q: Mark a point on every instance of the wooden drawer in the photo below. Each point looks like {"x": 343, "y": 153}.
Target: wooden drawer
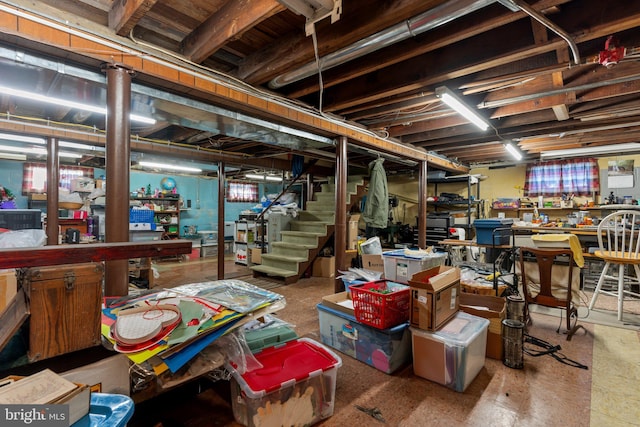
{"x": 64, "y": 302}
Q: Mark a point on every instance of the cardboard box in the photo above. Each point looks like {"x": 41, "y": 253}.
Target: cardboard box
{"x": 110, "y": 375}
{"x": 83, "y": 184}
{"x": 435, "y": 296}
{"x": 256, "y": 255}
{"x": 492, "y": 308}
{"x": 8, "y": 287}
{"x": 340, "y": 302}
{"x": 373, "y": 262}
{"x": 349, "y": 256}
{"x": 352, "y": 232}
{"x": 324, "y": 267}
{"x": 454, "y": 355}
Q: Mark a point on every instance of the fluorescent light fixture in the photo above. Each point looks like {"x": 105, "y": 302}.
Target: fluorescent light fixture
{"x": 254, "y": 176}
{"x": 169, "y": 167}
{"x": 449, "y": 98}
{"x": 513, "y": 150}
{"x": 38, "y": 151}
{"x": 67, "y": 103}
{"x": 617, "y": 149}
{"x": 12, "y": 156}
{"x": 273, "y": 178}
{"x": 21, "y": 138}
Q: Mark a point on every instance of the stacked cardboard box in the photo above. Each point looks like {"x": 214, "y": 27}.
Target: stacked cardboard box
{"x": 448, "y": 346}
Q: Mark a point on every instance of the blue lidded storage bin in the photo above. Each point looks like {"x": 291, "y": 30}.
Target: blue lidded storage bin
{"x": 385, "y": 349}
{"x": 484, "y": 231}
{"x": 107, "y": 410}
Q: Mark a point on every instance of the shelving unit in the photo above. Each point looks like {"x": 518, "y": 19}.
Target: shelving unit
{"x": 245, "y": 234}
{"x": 166, "y": 214}
{"x": 472, "y": 204}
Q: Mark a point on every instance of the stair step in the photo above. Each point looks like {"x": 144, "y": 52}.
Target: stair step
{"x": 301, "y": 233}
{"x": 310, "y": 226}
{"x": 273, "y": 271}
{"x": 276, "y": 257}
{"x": 296, "y": 246}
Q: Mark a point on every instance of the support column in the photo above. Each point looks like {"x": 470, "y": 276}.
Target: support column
{"x": 309, "y": 189}
{"x": 422, "y": 205}
{"x": 53, "y": 182}
{"x": 221, "y": 198}
{"x": 118, "y": 155}
{"x": 340, "y": 235}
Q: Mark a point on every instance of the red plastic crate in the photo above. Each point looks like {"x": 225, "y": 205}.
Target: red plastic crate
{"x": 381, "y": 310}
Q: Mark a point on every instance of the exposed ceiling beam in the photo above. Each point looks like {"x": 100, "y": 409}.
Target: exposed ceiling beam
{"x": 231, "y": 21}
{"x": 124, "y": 15}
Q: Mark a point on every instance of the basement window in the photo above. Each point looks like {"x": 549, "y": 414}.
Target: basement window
{"x": 240, "y": 191}
{"x": 580, "y": 177}
{"x": 34, "y": 177}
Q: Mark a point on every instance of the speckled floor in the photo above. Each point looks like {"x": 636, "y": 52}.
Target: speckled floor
{"x": 545, "y": 392}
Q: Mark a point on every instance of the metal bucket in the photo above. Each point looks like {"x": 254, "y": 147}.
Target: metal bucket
{"x": 512, "y": 342}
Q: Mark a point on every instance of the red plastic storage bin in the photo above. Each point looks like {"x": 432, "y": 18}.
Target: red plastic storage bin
{"x": 381, "y": 304}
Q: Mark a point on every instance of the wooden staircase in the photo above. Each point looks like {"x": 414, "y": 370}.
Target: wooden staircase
{"x": 310, "y": 231}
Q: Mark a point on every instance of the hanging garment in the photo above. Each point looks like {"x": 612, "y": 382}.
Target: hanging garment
{"x": 376, "y": 210}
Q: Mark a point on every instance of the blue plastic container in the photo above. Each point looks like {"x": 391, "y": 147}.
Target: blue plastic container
{"x": 385, "y": 349}
{"x": 486, "y": 236}
{"x": 107, "y": 410}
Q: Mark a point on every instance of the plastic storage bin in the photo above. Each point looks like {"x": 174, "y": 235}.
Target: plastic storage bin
{"x": 384, "y": 349}
{"x": 268, "y": 336}
{"x": 107, "y": 410}
{"x": 400, "y": 267}
{"x": 381, "y": 304}
{"x": 295, "y": 386}
{"x": 454, "y": 355}
{"x": 484, "y": 231}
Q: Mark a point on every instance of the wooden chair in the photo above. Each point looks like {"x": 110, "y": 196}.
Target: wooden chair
{"x": 540, "y": 285}
{"x": 619, "y": 246}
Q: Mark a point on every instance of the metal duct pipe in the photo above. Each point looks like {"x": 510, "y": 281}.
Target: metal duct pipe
{"x": 428, "y": 20}
{"x": 550, "y": 25}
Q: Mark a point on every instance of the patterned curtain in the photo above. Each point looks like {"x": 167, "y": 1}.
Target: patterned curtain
{"x": 34, "y": 176}
{"x": 239, "y": 191}
{"x": 572, "y": 176}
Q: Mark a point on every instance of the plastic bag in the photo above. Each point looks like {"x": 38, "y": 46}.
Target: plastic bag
{"x": 23, "y": 238}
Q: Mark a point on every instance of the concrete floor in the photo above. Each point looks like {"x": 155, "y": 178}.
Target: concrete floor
{"x": 545, "y": 392}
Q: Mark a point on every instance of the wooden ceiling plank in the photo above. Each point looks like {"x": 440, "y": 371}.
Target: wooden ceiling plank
{"x": 124, "y": 15}
{"x": 359, "y": 90}
{"x": 230, "y": 22}
{"x": 359, "y": 20}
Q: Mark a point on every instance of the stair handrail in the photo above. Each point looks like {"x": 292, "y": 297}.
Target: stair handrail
{"x": 260, "y": 217}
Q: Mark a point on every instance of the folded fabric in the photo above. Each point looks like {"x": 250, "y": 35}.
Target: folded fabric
{"x": 570, "y": 239}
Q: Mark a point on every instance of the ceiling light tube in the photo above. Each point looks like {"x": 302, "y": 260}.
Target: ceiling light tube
{"x": 21, "y": 138}
{"x": 67, "y": 103}
{"x": 169, "y": 167}
{"x": 513, "y": 151}
{"x": 13, "y": 156}
{"x": 449, "y": 98}
{"x": 38, "y": 151}
{"x": 254, "y": 176}
{"x": 617, "y": 149}
{"x": 273, "y": 178}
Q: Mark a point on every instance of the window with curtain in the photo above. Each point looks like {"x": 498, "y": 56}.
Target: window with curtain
{"x": 239, "y": 191}
{"x": 34, "y": 176}
{"x": 572, "y": 176}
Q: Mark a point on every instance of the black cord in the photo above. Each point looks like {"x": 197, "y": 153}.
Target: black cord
{"x": 550, "y": 349}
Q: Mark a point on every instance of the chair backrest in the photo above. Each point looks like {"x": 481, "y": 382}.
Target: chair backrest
{"x": 544, "y": 260}
{"x": 619, "y": 234}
